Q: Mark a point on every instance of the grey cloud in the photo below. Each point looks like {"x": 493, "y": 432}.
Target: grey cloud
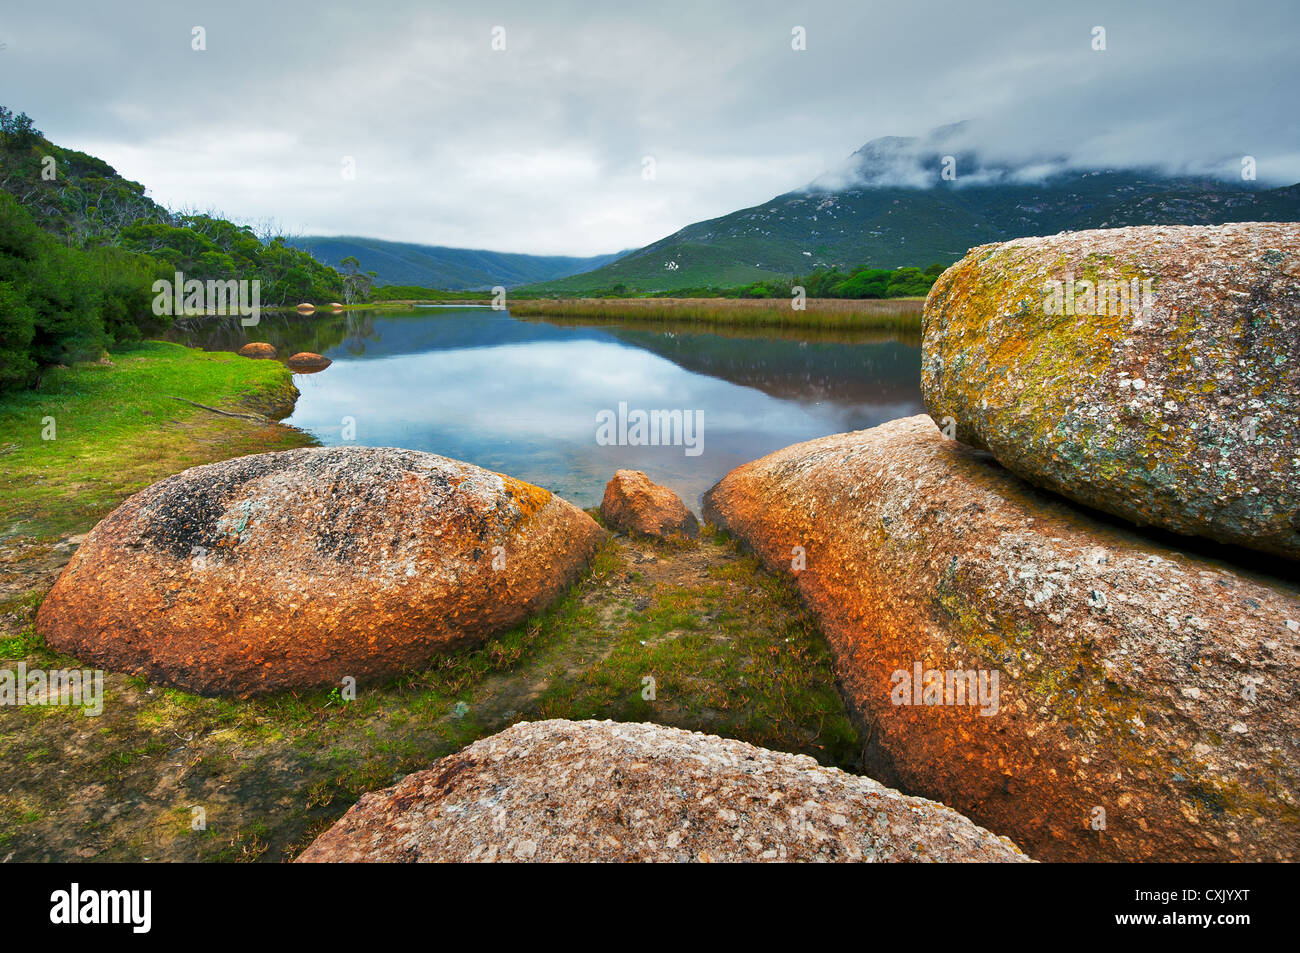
{"x": 539, "y": 148}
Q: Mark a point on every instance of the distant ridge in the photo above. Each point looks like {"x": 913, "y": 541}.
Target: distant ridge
{"x": 438, "y": 266}
{"x": 889, "y": 205}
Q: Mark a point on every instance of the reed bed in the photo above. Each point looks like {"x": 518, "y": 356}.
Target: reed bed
{"x": 902, "y": 314}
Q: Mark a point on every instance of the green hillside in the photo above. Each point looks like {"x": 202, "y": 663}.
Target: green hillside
{"x": 81, "y": 247}
{"x": 888, "y": 226}
{"x": 437, "y": 266}
{"x": 85, "y": 205}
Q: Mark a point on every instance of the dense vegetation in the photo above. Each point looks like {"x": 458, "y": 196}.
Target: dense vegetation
{"x": 860, "y": 283}
{"x": 80, "y": 248}
{"x": 437, "y": 266}
{"x": 821, "y": 314}
{"x": 60, "y": 304}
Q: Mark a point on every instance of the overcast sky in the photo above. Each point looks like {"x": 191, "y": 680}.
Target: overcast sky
{"x": 540, "y": 147}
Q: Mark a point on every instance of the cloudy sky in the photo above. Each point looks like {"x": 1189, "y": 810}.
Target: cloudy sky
{"x": 540, "y": 147}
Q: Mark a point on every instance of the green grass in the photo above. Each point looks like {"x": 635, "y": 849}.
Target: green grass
{"x": 116, "y": 429}
{"x": 754, "y": 668}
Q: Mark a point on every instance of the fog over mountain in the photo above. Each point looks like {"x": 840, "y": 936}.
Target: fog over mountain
{"x": 915, "y": 201}
{"x": 970, "y": 153}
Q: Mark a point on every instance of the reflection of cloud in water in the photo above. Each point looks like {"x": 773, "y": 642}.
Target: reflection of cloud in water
{"x": 529, "y": 409}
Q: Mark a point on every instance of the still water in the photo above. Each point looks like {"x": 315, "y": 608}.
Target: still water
{"x": 525, "y": 397}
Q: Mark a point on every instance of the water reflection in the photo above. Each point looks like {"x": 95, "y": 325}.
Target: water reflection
{"x": 522, "y": 397}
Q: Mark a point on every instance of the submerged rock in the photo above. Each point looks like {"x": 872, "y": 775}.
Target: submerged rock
{"x": 300, "y": 568}
{"x": 633, "y": 504}
{"x": 259, "y": 350}
{"x": 1158, "y": 378}
{"x": 603, "y": 791}
{"x": 306, "y": 362}
{"x": 1059, "y": 680}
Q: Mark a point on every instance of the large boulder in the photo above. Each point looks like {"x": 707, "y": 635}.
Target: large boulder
{"x": 601, "y": 791}
{"x": 633, "y": 504}
{"x": 1058, "y": 679}
{"x": 1174, "y": 406}
{"x": 298, "y": 568}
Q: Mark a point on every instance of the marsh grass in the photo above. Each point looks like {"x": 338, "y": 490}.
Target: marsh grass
{"x": 901, "y": 314}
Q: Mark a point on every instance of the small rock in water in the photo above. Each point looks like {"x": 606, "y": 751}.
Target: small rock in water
{"x": 306, "y": 362}
{"x": 258, "y": 350}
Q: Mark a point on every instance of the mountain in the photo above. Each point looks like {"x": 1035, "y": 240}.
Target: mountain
{"x": 449, "y": 269}
{"x": 889, "y": 205}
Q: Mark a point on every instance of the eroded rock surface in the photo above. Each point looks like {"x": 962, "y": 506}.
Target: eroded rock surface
{"x": 1146, "y": 705}
{"x": 298, "y": 568}
{"x": 604, "y": 791}
{"x": 1174, "y": 407}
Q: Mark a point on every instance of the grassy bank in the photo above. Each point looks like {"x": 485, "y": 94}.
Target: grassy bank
{"x": 903, "y": 314}
{"x": 729, "y": 647}
{"x": 96, "y": 433}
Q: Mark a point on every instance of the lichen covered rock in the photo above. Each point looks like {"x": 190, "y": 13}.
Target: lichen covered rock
{"x": 602, "y": 791}
{"x": 1150, "y": 372}
{"x": 299, "y": 568}
{"x": 634, "y": 504}
{"x": 1059, "y": 680}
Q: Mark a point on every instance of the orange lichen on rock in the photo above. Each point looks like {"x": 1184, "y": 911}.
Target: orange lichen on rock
{"x": 529, "y": 498}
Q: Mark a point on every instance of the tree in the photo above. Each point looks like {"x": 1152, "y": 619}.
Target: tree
{"x": 357, "y": 284}
{"x": 17, "y": 132}
{"x": 49, "y": 300}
